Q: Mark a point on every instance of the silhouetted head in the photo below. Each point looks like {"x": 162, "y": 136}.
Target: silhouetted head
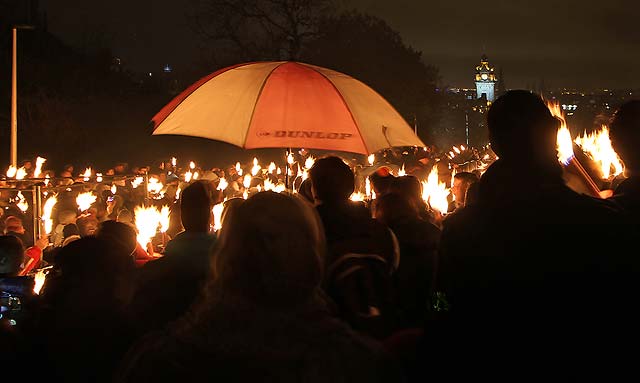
{"x": 118, "y": 233}
{"x": 381, "y": 180}
{"x": 332, "y": 180}
{"x": 11, "y": 255}
{"x": 270, "y": 252}
{"x": 522, "y": 129}
{"x": 461, "y": 183}
{"x": 305, "y": 190}
{"x": 87, "y": 225}
{"x": 195, "y": 207}
{"x": 625, "y": 134}
{"x": 395, "y": 207}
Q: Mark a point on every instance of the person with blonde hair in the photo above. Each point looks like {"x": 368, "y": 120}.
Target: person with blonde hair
{"x": 262, "y": 317}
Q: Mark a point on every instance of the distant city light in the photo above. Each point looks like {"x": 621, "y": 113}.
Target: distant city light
{"x": 167, "y": 68}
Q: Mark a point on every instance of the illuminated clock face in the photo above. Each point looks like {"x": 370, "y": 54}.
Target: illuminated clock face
{"x": 484, "y": 76}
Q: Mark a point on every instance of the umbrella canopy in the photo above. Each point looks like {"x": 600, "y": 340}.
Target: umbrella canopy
{"x": 286, "y": 104}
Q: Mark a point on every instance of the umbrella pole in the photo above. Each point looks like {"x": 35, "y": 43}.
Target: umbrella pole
{"x": 286, "y": 172}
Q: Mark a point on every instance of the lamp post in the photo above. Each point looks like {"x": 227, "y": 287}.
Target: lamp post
{"x": 14, "y": 94}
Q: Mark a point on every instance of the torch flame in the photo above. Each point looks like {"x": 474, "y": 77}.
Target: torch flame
{"x": 187, "y": 176}
{"x": 164, "y": 218}
{"x": 39, "y": 279}
{"x": 217, "y": 216}
{"x": 85, "y": 200}
{"x": 371, "y": 158}
{"x": 22, "y": 203}
{"x": 86, "y": 174}
{"x": 147, "y": 221}
{"x": 272, "y": 167}
{"x": 137, "y": 181}
{"x": 402, "y": 172}
{"x": 256, "y": 167}
{"x": 11, "y": 172}
{"x": 114, "y": 189}
{"x": 154, "y": 186}
{"x": 46, "y": 213}
{"x": 238, "y": 169}
{"x": 435, "y": 193}
{"x": 357, "y": 196}
{"x": 598, "y": 147}
{"x": 192, "y": 165}
{"x": 308, "y": 163}
{"x": 39, "y": 162}
{"x": 290, "y": 159}
{"x": 174, "y": 161}
{"x": 222, "y": 184}
{"x": 367, "y": 187}
{"x": 21, "y": 173}
{"x": 564, "y": 141}
{"x": 247, "y": 180}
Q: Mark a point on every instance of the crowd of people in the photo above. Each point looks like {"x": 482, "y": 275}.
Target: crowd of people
{"x": 522, "y": 274}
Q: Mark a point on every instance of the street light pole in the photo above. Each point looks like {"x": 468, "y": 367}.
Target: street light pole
{"x": 14, "y": 101}
{"x": 14, "y": 94}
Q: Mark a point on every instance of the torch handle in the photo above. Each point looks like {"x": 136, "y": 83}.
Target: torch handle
{"x": 593, "y": 187}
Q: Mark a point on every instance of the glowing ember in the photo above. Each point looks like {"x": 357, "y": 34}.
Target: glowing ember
{"x": 46, "y": 213}
{"x": 85, "y": 200}
{"x": 11, "y": 172}
{"x": 272, "y": 168}
{"x": 222, "y": 184}
{"x": 38, "y": 171}
{"x": 39, "y": 279}
{"x": 371, "y": 159}
{"x": 217, "y": 216}
{"x": 137, "y": 181}
{"x": 308, "y": 163}
{"x": 147, "y": 221}
{"x": 21, "y": 202}
{"x": 598, "y": 147}
{"x": 164, "y": 218}
{"x": 564, "y": 141}
{"x": 114, "y": 189}
{"x": 435, "y": 193}
{"x": 21, "y": 173}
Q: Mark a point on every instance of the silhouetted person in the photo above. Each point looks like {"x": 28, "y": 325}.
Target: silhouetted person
{"x": 83, "y": 331}
{"x": 169, "y": 285}
{"x": 523, "y": 267}
{"x": 461, "y": 183}
{"x": 625, "y": 138}
{"x": 263, "y": 317}
{"x": 361, "y": 255}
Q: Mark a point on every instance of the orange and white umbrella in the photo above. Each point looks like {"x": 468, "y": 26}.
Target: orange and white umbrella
{"x": 285, "y": 104}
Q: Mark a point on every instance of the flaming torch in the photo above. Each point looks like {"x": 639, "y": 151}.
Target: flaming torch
{"x": 38, "y": 279}
{"x": 164, "y": 223}
{"x": 11, "y": 172}
{"x": 46, "y": 213}
{"x": 86, "y": 174}
{"x": 256, "y": 167}
{"x": 371, "y": 158}
{"x": 217, "y": 216}
{"x": 21, "y": 202}
{"x": 21, "y": 173}
{"x": 85, "y": 200}
{"x": 565, "y": 150}
{"x": 435, "y": 193}
{"x": 38, "y": 171}
{"x": 147, "y": 221}
{"x": 598, "y": 147}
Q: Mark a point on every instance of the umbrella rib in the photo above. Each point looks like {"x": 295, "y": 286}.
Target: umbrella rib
{"x": 355, "y": 123}
{"x": 255, "y": 104}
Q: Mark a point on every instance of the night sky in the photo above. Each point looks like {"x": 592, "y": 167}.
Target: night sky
{"x": 565, "y": 43}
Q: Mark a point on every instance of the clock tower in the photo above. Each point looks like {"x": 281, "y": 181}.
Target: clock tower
{"x": 485, "y": 80}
